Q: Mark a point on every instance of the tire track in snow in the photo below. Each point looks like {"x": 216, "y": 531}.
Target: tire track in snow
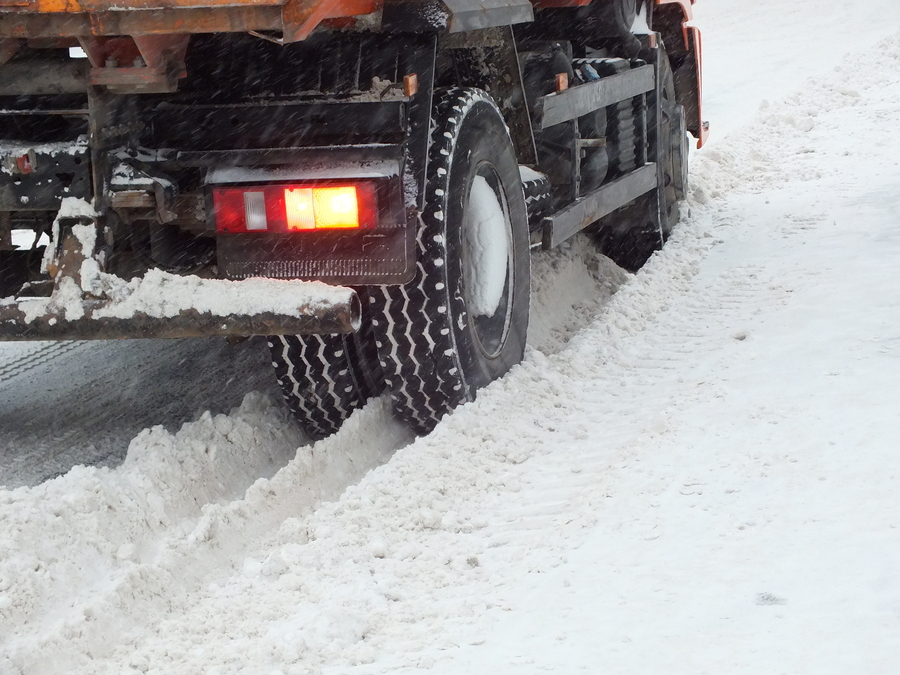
{"x": 705, "y": 326}
{"x": 143, "y": 531}
{"x": 401, "y": 517}
{"x": 146, "y": 549}
{"x": 142, "y": 547}
{"x": 84, "y": 401}
{"x": 42, "y": 353}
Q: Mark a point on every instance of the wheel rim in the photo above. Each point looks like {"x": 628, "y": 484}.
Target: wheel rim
{"x": 487, "y": 265}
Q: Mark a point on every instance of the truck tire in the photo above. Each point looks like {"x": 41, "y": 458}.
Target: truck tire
{"x": 461, "y": 322}
{"x": 631, "y": 235}
{"x": 674, "y": 146}
{"x": 324, "y": 378}
{"x": 610, "y": 18}
{"x": 680, "y": 153}
{"x": 537, "y": 195}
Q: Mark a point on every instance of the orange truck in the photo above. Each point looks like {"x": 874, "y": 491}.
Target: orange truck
{"x": 362, "y": 181}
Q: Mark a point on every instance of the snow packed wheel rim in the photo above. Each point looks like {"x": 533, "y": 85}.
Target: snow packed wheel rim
{"x": 487, "y": 265}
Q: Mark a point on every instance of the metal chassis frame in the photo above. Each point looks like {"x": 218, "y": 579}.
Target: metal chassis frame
{"x": 572, "y": 103}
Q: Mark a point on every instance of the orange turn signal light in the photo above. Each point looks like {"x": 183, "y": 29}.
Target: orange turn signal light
{"x": 298, "y": 207}
{"x": 321, "y": 208}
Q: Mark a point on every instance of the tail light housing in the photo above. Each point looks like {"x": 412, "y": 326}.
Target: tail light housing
{"x": 296, "y": 208}
{"x": 355, "y": 231}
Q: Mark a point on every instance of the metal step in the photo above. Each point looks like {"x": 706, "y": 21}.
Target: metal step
{"x": 594, "y": 205}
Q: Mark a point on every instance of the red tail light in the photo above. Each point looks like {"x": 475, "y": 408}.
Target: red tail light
{"x": 289, "y": 208}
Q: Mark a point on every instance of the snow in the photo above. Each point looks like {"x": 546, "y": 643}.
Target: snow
{"x": 24, "y": 239}
{"x": 329, "y": 169}
{"x": 10, "y": 148}
{"x": 70, "y": 207}
{"x": 122, "y": 387}
{"x": 776, "y": 45}
{"x": 639, "y": 26}
{"x": 527, "y": 173}
{"x": 125, "y": 175}
{"x": 486, "y": 241}
{"x": 160, "y": 294}
{"x": 693, "y": 471}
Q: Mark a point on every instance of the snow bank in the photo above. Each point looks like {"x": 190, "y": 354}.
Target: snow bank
{"x": 73, "y": 531}
{"x": 90, "y": 555}
{"x": 776, "y": 45}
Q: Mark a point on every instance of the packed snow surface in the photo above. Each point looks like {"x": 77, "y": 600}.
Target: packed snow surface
{"x": 160, "y": 294}
{"x": 695, "y": 469}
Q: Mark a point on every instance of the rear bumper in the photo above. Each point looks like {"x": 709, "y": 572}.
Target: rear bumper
{"x": 190, "y": 307}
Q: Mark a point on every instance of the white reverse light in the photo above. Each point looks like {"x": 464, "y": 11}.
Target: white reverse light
{"x": 255, "y": 211}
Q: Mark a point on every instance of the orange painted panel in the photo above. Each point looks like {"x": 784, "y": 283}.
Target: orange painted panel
{"x": 325, "y": 8}
{"x": 74, "y": 6}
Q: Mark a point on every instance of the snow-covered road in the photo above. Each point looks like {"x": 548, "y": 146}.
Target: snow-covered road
{"x": 69, "y": 403}
{"x": 695, "y": 471}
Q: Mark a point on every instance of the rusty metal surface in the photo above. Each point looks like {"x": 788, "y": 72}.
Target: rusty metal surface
{"x": 139, "y": 63}
{"x": 140, "y": 22}
{"x": 295, "y": 19}
{"x": 338, "y": 318}
{"x": 78, "y": 6}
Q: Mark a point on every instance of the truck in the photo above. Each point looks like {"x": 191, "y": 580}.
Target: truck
{"x": 361, "y": 181}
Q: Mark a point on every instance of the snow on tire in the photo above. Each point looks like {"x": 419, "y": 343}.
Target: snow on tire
{"x": 461, "y": 322}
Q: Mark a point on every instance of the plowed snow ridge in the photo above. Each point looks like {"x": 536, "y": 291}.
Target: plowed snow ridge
{"x": 680, "y": 461}
{"x": 82, "y": 403}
